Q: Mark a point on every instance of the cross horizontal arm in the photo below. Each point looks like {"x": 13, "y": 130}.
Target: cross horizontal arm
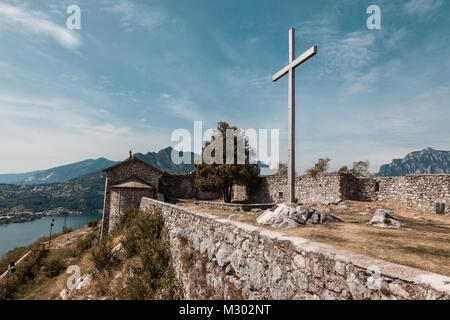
{"x": 281, "y": 73}
{"x": 305, "y": 56}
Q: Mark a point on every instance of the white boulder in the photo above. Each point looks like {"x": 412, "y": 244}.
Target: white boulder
{"x": 286, "y": 217}
{"x": 384, "y": 219}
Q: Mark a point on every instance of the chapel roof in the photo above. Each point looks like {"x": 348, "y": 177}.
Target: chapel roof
{"x": 131, "y": 161}
{"x": 133, "y": 185}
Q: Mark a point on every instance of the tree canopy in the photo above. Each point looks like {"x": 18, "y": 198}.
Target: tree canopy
{"x": 359, "y": 169}
{"x": 221, "y": 170}
{"x": 320, "y": 166}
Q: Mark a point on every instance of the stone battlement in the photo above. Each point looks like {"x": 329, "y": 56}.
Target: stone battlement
{"x": 421, "y": 192}
{"x": 230, "y": 259}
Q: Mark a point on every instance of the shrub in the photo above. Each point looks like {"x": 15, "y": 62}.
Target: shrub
{"x": 53, "y": 267}
{"x": 92, "y": 223}
{"x": 26, "y": 272}
{"x": 321, "y": 166}
{"x": 154, "y": 277}
{"x": 102, "y": 254}
{"x": 85, "y": 243}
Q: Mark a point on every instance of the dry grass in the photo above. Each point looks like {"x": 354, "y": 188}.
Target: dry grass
{"x": 49, "y": 289}
{"x": 423, "y": 242}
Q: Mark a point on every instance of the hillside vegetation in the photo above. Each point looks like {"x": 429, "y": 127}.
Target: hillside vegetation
{"x": 83, "y": 194}
{"x": 132, "y": 263}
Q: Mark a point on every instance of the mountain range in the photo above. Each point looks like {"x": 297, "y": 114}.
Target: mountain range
{"x": 427, "y": 161}
{"x": 161, "y": 160}
{"x": 80, "y": 186}
{"x": 74, "y": 187}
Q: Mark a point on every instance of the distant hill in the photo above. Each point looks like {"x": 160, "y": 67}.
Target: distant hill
{"x": 83, "y": 194}
{"x": 427, "y": 161}
{"x": 78, "y": 186}
{"x": 161, "y": 160}
{"x": 57, "y": 174}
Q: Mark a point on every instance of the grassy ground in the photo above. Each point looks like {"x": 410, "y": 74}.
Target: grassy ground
{"x": 423, "y": 242}
{"x": 34, "y": 283}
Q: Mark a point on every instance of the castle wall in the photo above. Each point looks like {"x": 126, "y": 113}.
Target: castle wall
{"x": 182, "y": 186}
{"x": 219, "y": 258}
{"x": 323, "y": 188}
{"x": 420, "y": 192}
{"x": 424, "y": 191}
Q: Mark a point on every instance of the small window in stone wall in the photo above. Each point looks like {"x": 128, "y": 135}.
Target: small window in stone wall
{"x": 377, "y": 186}
{"x": 440, "y": 208}
{"x": 280, "y": 194}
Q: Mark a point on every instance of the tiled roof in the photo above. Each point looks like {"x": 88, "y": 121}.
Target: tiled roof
{"x": 129, "y": 161}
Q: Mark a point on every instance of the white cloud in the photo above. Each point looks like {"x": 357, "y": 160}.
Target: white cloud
{"x": 57, "y": 130}
{"x": 394, "y": 39}
{"x": 359, "y": 82}
{"x": 25, "y": 21}
{"x": 134, "y": 16}
{"x": 165, "y": 96}
{"x": 352, "y": 51}
{"x": 422, "y": 7}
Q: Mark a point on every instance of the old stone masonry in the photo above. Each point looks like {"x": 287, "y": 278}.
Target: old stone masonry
{"x": 219, "y": 258}
{"x": 131, "y": 180}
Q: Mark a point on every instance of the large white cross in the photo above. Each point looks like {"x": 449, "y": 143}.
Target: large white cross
{"x": 290, "y": 68}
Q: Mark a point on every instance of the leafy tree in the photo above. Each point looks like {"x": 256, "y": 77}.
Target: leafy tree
{"x": 321, "y": 166}
{"x": 344, "y": 169}
{"x": 216, "y": 174}
{"x": 360, "y": 169}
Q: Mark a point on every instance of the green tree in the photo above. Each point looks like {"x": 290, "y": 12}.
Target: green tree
{"x": 344, "y": 169}
{"x": 216, "y": 174}
{"x": 360, "y": 169}
{"x": 320, "y": 166}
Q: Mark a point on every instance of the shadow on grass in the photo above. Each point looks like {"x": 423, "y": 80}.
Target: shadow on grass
{"x": 431, "y": 251}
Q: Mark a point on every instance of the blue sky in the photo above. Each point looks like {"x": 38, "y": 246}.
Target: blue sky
{"x": 137, "y": 70}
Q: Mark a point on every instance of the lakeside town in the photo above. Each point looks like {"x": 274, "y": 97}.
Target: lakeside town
{"x": 27, "y": 216}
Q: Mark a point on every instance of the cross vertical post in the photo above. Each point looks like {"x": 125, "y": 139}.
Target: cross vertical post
{"x": 291, "y": 123}
{"x": 290, "y": 69}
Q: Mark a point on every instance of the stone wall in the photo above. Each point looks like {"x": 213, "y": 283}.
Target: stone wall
{"x": 218, "y": 258}
{"x": 324, "y": 188}
{"x": 123, "y": 199}
{"x": 390, "y": 189}
{"x": 182, "y": 186}
{"x": 420, "y": 192}
{"x": 424, "y": 191}
{"x": 233, "y": 206}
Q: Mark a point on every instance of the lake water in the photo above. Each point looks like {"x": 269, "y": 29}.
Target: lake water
{"x": 22, "y": 234}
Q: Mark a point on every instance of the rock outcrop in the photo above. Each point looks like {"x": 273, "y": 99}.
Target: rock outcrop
{"x": 385, "y": 219}
{"x": 286, "y": 217}
{"x": 427, "y": 161}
